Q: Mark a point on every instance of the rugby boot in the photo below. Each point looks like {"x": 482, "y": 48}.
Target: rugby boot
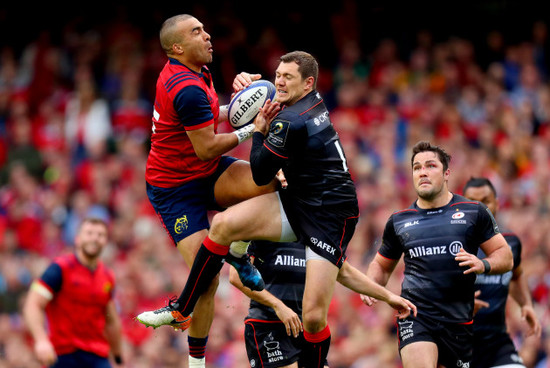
{"x": 165, "y": 316}
{"x": 249, "y": 275}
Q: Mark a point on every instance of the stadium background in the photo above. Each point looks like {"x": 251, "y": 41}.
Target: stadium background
{"x": 472, "y": 77}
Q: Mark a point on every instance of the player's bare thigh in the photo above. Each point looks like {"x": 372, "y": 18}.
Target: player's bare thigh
{"x": 258, "y": 218}
{"x": 189, "y": 246}
{"x": 421, "y": 354}
{"x": 236, "y": 184}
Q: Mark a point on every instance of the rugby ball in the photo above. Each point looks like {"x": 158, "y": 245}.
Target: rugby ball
{"x": 245, "y": 105}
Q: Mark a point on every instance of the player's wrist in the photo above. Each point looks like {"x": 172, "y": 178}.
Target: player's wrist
{"x": 486, "y": 266}
{"x": 244, "y": 133}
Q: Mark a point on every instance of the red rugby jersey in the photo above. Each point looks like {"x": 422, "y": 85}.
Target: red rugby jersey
{"x": 76, "y": 314}
{"x": 185, "y": 100}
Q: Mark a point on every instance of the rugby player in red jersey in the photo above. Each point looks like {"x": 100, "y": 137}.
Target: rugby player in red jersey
{"x": 186, "y": 172}
{"x": 318, "y": 209}
{"x": 75, "y": 294}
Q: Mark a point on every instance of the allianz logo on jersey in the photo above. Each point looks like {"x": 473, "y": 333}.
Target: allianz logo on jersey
{"x": 424, "y": 251}
{"x": 289, "y": 260}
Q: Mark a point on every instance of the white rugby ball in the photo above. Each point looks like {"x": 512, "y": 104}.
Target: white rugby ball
{"x": 245, "y": 105}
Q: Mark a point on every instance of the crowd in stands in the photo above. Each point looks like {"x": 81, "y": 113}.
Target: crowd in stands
{"x": 75, "y": 120}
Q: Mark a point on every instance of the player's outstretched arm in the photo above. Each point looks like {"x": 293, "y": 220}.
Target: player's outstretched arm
{"x": 380, "y": 270}
{"x": 290, "y": 319}
{"x": 357, "y": 281}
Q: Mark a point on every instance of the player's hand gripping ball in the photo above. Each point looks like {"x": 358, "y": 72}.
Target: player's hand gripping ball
{"x": 246, "y": 104}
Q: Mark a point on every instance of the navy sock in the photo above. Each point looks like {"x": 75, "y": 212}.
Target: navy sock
{"x": 197, "y": 346}
{"x": 207, "y": 264}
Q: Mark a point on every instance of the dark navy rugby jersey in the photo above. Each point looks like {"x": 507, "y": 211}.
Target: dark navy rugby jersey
{"x": 283, "y": 268}
{"x": 302, "y": 141}
{"x": 429, "y": 239}
{"x": 494, "y": 290}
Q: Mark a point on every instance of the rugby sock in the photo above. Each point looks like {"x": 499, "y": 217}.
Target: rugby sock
{"x": 197, "y": 351}
{"x": 207, "y": 264}
{"x": 239, "y": 248}
{"x": 316, "y": 347}
{"x": 196, "y": 362}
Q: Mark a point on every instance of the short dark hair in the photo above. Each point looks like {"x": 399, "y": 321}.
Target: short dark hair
{"x": 424, "y": 146}
{"x": 307, "y": 64}
{"x": 168, "y": 32}
{"x": 478, "y": 183}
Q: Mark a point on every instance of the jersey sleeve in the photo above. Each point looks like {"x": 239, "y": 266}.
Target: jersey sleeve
{"x": 193, "y": 108}
{"x": 391, "y": 245}
{"x": 486, "y": 226}
{"x": 52, "y": 277}
{"x": 264, "y": 162}
{"x": 515, "y": 243}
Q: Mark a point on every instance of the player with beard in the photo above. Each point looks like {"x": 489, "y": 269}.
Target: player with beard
{"x": 438, "y": 236}
{"x": 493, "y": 347}
{"x": 75, "y": 295}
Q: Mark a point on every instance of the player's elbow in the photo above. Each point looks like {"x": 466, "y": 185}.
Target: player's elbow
{"x": 509, "y": 260}
{"x": 205, "y": 154}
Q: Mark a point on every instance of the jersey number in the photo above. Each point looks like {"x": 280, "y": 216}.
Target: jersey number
{"x": 156, "y": 116}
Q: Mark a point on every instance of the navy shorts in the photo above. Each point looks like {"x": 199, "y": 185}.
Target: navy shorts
{"x": 269, "y": 346}
{"x": 184, "y": 210}
{"x": 81, "y": 359}
{"x": 454, "y": 340}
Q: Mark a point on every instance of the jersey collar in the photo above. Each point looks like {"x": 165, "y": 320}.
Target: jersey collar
{"x": 204, "y": 74}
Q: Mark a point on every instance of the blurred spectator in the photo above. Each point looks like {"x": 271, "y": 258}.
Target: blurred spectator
{"x": 87, "y": 120}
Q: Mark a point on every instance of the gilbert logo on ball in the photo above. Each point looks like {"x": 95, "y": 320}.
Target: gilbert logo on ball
{"x": 245, "y": 105}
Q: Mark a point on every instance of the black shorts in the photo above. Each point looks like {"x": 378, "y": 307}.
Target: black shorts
{"x": 327, "y": 230}
{"x": 454, "y": 341}
{"x": 495, "y": 350}
{"x": 269, "y": 346}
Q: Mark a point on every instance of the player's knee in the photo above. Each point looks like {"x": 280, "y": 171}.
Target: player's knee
{"x": 314, "y": 320}
{"x": 222, "y": 225}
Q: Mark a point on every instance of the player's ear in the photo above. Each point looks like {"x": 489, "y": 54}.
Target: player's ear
{"x": 177, "y": 49}
{"x": 310, "y": 82}
{"x": 446, "y": 174}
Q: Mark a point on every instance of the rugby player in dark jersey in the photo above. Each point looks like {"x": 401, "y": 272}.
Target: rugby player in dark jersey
{"x": 439, "y": 237}
{"x": 273, "y": 327}
{"x": 493, "y": 347}
{"x": 318, "y": 209}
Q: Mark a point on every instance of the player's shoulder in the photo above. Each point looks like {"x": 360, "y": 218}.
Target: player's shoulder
{"x": 65, "y": 260}
{"x": 176, "y": 76}
{"x": 459, "y": 200}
